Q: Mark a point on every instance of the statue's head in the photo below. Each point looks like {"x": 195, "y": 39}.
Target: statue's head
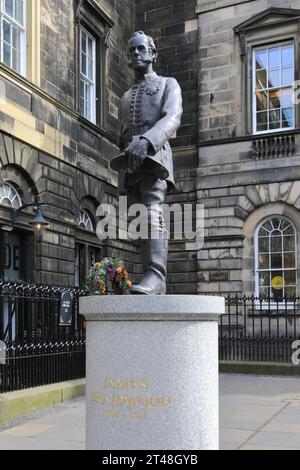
{"x": 142, "y": 51}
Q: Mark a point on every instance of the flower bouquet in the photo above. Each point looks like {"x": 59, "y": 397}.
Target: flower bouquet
{"x": 108, "y": 277}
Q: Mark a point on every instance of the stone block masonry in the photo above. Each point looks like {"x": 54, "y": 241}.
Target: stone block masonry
{"x": 173, "y": 25}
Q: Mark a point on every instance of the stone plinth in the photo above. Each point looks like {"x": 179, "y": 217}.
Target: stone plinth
{"x": 152, "y": 371}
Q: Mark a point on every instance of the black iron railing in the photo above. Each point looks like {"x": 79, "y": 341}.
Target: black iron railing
{"x": 38, "y": 350}
{"x": 259, "y": 330}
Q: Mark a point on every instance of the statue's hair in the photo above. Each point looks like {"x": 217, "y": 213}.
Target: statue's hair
{"x": 151, "y": 42}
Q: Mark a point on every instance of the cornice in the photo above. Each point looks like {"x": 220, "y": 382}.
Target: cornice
{"x": 204, "y": 6}
{"x": 31, "y": 88}
{"x": 255, "y": 22}
{"x": 98, "y": 8}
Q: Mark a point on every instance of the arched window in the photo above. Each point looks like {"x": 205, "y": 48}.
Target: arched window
{"x": 9, "y": 196}
{"x": 84, "y": 221}
{"x": 276, "y": 260}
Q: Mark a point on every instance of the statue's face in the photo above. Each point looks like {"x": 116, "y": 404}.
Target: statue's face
{"x": 141, "y": 55}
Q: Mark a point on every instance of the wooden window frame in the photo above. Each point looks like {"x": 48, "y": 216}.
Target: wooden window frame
{"x": 96, "y": 22}
{"x": 32, "y": 44}
{"x": 22, "y": 30}
{"x": 267, "y": 303}
{"x": 281, "y": 87}
{"x": 255, "y": 33}
{"x": 89, "y": 82}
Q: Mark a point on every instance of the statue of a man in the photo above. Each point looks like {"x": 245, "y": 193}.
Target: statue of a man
{"x": 150, "y": 115}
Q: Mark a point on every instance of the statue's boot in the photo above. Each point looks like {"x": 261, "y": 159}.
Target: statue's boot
{"x": 154, "y": 280}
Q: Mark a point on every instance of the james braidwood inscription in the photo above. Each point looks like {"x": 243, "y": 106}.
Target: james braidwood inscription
{"x": 128, "y": 398}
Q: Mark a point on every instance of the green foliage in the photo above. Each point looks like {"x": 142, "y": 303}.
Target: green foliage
{"x": 108, "y": 277}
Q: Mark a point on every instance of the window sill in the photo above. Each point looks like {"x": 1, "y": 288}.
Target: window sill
{"x": 31, "y": 88}
{"x": 247, "y": 138}
{"x": 273, "y": 132}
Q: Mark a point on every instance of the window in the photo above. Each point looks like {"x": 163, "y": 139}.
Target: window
{"x": 87, "y": 75}
{"x": 84, "y": 221}
{"x": 273, "y": 77}
{"x": 276, "y": 261}
{"x": 9, "y": 196}
{"x": 85, "y": 257}
{"x": 13, "y": 34}
{"x": 269, "y": 46}
{"x": 92, "y": 31}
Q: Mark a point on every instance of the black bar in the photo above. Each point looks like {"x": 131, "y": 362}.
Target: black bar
{"x": 263, "y": 330}
{"x": 39, "y": 352}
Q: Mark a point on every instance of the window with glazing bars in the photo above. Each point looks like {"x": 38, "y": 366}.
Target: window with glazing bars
{"x": 13, "y": 34}
{"x": 273, "y": 77}
{"x": 276, "y": 260}
{"x": 87, "y": 75}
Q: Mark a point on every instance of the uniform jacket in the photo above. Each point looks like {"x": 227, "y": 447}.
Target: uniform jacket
{"x": 152, "y": 108}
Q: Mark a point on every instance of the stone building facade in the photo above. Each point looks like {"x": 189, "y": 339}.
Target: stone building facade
{"x": 50, "y": 151}
{"x": 248, "y": 155}
{"x": 236, "y": 152}
{"x": 55, "y": 146}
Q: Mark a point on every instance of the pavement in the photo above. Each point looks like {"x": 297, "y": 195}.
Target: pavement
{"x": 259, "y": 412}
{"x": 256, "y": 413}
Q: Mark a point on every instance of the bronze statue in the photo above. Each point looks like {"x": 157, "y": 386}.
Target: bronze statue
{"x": 150, "y": 115}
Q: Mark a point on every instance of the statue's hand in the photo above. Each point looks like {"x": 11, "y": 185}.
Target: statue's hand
{"x": 136, "y": 152}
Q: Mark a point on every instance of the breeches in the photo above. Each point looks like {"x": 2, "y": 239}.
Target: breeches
{"x": 151, "y": 193}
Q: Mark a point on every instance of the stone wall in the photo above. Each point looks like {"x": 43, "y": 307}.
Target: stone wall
{"x": 66, "y": 159}
{"x": 173, "y": 25}
{"x": 57, "y": 50}
{"x": 237, "y": 188}
{"x": 71, "y": 155}
{"x": 58, "y": 60}
{"x": 226, "y": 264}
{"x": 220, "y": 68}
